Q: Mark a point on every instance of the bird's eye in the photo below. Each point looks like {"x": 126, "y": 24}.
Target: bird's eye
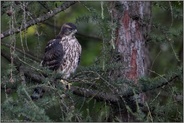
{"x": 70, "y": 29}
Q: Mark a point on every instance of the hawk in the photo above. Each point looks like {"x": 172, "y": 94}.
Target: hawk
{"x": 62, "y": 54}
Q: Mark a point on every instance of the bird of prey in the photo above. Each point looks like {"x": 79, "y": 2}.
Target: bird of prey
{"x": 62, "y": 54}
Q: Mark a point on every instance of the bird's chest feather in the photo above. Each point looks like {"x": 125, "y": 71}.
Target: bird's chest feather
{"x": 70, "y": 45}
{"x": 72, "y": 51}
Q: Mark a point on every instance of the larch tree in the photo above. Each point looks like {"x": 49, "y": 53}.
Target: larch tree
{"x": 133, "y": 22}
{"x": 133, "y": 19}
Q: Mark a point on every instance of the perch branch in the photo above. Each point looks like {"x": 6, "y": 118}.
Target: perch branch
{"x": 145, "y": 86}
{"x": 42, "y": 18}
{"x": 100, "y": 96}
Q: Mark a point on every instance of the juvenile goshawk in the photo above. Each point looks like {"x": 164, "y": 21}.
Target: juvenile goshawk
{"x": 62, "y": 54}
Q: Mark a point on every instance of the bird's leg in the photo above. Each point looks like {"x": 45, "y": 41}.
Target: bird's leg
{"x": 66, "y": 84}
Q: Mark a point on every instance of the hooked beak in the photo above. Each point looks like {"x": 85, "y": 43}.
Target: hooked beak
{"x": 75, "y": 31}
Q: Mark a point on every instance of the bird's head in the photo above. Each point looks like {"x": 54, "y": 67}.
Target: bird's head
{"x": 68, "y": 29}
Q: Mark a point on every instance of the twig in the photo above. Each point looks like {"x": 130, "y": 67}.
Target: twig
{"x": 27, "y": 72}
{"x": 42, "y": 18}
{"x": 100, "y": 96}
{"x": 43, "y": 5}
{"x": 22, "y": 75}
{"x": 24, "y": 53}
{"x": 103, "y": 96}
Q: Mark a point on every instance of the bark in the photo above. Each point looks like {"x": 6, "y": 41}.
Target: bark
{"x": 133, "y": 26}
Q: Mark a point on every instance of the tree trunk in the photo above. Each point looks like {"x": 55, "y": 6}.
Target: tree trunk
{"x": 133, "y": 19}
{"x": 133, "y": 25}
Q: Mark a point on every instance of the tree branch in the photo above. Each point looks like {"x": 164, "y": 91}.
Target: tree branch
{"x": 27, "y": 54}
{"x": 100, "y": 96}
{"x": 29, "y": 73}
{"x": 42, "y": 18}
{"x": 145, "y": 84}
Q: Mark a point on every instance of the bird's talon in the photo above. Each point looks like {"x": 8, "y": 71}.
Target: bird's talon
{"x": 68, "y": 86}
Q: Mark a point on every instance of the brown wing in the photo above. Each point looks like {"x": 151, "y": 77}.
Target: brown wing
{"x": 53, "y": 54}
